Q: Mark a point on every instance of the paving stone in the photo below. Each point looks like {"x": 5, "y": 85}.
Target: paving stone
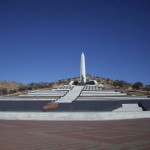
{"x": 75, "y": 135}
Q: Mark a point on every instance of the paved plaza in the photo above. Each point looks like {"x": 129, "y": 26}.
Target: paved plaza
{"x": 75, "y": 135}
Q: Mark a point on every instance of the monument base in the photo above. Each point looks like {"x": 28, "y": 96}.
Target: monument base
{"x": 91, "y": 82}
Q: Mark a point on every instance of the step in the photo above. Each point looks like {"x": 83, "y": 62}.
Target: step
{"x": 129, "y": 107}
{"x": 101, "y": 94}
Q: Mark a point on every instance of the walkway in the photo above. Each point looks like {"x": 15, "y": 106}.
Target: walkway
{"x": 73, "y": 115}
{"x": 71, "y": 95}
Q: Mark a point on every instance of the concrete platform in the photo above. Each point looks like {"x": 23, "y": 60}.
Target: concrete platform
{"x": 75, "y": 106}
{"x": 129, "y": 108}
{"x": 8, "y": 98}
{"x": 73, "y": 115}
{"x": 108, "y": 98}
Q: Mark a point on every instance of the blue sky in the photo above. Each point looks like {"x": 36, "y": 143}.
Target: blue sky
{"x": 42, "y": 40}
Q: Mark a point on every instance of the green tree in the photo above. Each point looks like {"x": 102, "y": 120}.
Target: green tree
{"x": 88, "y": 75}
{"x": 137, "y": 85}
{"x": 13, "y": 91}
{"x": 121, "y": 83}
{"x": 23, "y": 88}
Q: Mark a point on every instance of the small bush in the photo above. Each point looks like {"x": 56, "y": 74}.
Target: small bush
{"x": 137, "y": 85}
{"x": 12, "y": 91}
{"x": 3, "y": 91}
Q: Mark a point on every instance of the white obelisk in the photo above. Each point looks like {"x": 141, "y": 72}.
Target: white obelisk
{"x": 82, "y": 70}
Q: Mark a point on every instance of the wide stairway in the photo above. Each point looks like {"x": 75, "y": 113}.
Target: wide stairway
{"x": 129, "y": 107}
{"x": 53, "y": 94}
{"x": 71, "y": 95}
{"x": 95, "y": 93}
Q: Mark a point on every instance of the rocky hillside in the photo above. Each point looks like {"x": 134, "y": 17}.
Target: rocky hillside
{"x": 10, "y": 85}
{"x": 7, "y": 87}
{"x": 11, "y": 88}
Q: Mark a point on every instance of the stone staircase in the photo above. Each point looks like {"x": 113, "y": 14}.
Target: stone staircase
{"x": 45, "y": 93}
{"x": 129, "y": 108}
{"x": 101, "y": 93}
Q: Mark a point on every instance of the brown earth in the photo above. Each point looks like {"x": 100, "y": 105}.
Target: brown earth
{"x": 49, "y": 106}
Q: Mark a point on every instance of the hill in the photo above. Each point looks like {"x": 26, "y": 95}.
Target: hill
{"x": 15, "y": 88}
{"x": 9, "y": 87}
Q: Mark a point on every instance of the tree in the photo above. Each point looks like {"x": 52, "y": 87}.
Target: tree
{"x": 88, "y": 75}
{"x": 118, "y": 83}
{"x": 137, "y": 85}
{"x": 32, "y": 84}
{"x": 13, "y": 91}
{"x": 3, "y": 91}
{"x": 30, "y": 88}
{"x": 121, "y": 83}
{"x": 147, "y": 88}
{"x": 23, "y": 88}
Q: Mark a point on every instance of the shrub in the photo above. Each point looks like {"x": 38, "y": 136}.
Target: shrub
{"x": 3, "y": 91}
{"x": 121, "y": 83}
{"x": 23, "y": 88}
{"x": 13, "y": 91}
{"x": 137, "y": 85}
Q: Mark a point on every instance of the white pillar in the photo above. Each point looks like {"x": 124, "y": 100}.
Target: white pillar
{"x": 82, "y": 69}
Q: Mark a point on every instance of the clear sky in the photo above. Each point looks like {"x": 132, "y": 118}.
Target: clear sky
{"x": 42, "y": 40}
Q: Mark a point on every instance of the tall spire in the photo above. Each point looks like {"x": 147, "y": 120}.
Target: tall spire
{"x": 82, "y": 70}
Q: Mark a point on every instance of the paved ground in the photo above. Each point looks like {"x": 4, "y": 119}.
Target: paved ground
{"x": 75, "y": 135}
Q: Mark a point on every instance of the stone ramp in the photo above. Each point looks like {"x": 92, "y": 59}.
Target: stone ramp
{"x": 71, "y": 95}
{"x": 129, "y": 108}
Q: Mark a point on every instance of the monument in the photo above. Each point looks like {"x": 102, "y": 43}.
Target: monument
{"x": 82, "y": 70}
{"x": 83, "y": 79}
